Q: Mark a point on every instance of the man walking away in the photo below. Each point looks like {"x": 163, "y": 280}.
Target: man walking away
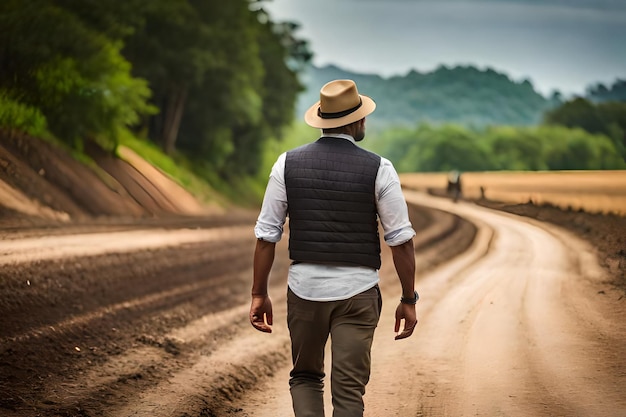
{"x": 334, "y": 193}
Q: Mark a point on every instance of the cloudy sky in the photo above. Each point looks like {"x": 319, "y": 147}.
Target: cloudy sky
{"x": 560, "y": 45}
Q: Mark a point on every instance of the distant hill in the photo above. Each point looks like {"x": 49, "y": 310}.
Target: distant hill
{"x": 464, "y": 95}
{"x": 600, "y": 93}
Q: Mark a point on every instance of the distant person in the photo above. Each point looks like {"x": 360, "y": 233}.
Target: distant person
{"x": 454, "y": 187}
{"x": 334, "y": 192}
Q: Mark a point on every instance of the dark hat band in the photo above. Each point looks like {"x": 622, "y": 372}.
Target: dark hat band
{"x": 339, "y": 114}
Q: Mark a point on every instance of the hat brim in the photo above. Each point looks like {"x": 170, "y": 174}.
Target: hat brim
{"x": 314, "y": 120}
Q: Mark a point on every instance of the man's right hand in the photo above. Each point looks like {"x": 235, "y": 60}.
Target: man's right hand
{"x": 261, "y": 313}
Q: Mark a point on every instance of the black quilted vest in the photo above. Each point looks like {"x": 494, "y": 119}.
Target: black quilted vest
{"x": 332, "y": 204}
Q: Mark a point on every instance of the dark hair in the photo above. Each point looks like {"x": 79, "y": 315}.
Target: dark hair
{"x": 340, "y": 129}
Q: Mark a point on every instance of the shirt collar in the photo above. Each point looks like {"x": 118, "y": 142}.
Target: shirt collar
{"x": 339, "y": 135}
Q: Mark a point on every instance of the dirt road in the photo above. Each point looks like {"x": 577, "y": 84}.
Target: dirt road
{"x": 523, "y": 326}
{"x": 520, "y": 324}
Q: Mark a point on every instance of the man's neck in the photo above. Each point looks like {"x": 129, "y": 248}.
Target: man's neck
{"x": 339, "y": 136}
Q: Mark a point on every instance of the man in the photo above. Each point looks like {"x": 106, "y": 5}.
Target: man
{"x": 334, "y": 192}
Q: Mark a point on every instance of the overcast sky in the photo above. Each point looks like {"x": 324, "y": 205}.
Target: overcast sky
{"x": 557, "y": 44}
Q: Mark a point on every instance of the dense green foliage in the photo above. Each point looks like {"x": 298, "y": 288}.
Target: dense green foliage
{"x": 461, "y": 95}
{"x": 55, "y": 63}
{"x": 607, "y": 118}
{"x": 200, "y": 78}
{"x": 22, "y": 117}
{"x": 452, "y": 147}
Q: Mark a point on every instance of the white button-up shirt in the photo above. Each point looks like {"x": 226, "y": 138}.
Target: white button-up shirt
{"x": 319, "y": 282}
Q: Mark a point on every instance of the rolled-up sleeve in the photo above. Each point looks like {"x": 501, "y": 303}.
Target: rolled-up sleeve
{"x": 392, "y": 208}
{"x": 270, "y": 223}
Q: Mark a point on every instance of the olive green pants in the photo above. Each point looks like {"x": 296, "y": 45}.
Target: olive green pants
{"x": 350, "y": 324}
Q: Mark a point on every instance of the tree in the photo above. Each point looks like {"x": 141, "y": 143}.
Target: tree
{"x": 607, "y": 118}
{"x": 172, "y": 50}
{"x": 614, "y": 117}
{"x": 516, "y": 148}
{"x": 220, "y": 75}
{"x": 74, "y": 76}
{"x": 567, "y": 149}
{"x": 576, "y": 113}
{"x": 446, "y": 148}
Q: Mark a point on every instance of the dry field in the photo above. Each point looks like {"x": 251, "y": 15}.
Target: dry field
{"x": 591, "y": 191}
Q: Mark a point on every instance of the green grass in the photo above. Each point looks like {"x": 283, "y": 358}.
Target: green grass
{"x": 177, "y": 167}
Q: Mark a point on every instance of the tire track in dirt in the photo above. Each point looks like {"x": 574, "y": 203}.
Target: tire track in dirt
{"x": 59, "y": 295}
{"x": 190, "y": 370}
{"x": 91, "y": 244}
{"x": 136, "y": 297}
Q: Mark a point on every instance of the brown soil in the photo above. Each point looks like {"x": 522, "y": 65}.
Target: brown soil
{"x": 606, "y": 233}
{"x": 161, "y": 331}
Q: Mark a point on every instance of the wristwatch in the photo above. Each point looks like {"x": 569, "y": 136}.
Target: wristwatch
{"x": 412, "y": 301}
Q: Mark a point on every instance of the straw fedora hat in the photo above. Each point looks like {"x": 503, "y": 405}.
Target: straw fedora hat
{"x": 340, "y": 104}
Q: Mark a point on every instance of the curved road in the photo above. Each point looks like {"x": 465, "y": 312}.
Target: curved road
{"x": 522, "y": 324}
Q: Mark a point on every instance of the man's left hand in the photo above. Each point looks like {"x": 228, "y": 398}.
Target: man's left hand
{"x": 407, "y": 313}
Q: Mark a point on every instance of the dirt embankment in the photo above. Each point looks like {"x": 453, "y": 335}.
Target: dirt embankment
{"x": 41, "y": 184}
